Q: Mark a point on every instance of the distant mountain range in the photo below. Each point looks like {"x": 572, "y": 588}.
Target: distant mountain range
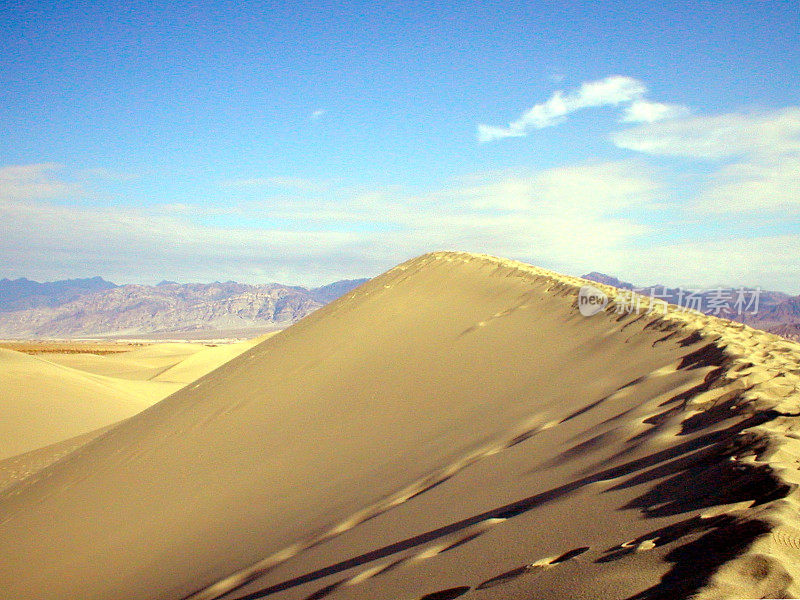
{"x": 95, "y": 307}
{"x": 775, "y": 312}
{"x": 21, "y": 294}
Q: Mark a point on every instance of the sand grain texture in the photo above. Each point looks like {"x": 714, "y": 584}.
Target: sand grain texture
{"x": 453, "y": 428}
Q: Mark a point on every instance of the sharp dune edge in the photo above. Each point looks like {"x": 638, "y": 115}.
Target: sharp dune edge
{"x": 453, "y": 428}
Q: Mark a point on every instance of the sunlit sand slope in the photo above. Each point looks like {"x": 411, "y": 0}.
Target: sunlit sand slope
{"x": 452, "y": 428}
{"x": 203, "y": 362}
{"x": 140, "y": 364}
{"x": 44, "y": 403}
{"x": 51, "y": 397}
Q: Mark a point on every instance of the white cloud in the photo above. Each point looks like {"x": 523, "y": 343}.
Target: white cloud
{"x": 717, "y": 137}
{"x": 538, "y": 216}
{"x": 598, "y": 188}
{"x": 644, "y": 111}
{"x": 284, "y": 183}
{"x": 490, "y": 133}
{"x": 767, "y": 184}
{"x": 561, "y": 216}
{"x": 591, "y": 189}
{"x": 766, "y": 261}
{"x": 123, "y": 243}
{"x": 611, "y": 91}
{"x": 25, "y": 182}
{"x": 573, "y": 219}
{"x": 317, "y": 114}
{"x": 756, "y": 157}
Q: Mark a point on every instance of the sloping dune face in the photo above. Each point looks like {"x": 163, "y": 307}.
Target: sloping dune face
{"x": 203, "y": 362}
{"x": 453, "y": 428}
{"x": 54, "y": 403}
{"x": 139, "y": 365}
{"x": 44, "y": 403}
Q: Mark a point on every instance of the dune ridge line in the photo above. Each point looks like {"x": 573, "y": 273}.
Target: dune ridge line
{"x": 753, "y": 382}
{"x": 441, "y": 410}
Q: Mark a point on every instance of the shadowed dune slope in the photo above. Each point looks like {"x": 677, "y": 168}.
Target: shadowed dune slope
{"x": 453, "y": 428}
{"x": 16, "y": 468}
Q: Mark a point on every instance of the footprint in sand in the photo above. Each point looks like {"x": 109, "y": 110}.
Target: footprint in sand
{"x": 447, "y": 594}
{"x": 508, "y": 576}
{"x": 322, "y": 592}
{"x": 426, "y": 553}
{"x": 646, "y": 545}
{"x": 474, "y": 532}
{"x": 535, "y": 567}
{"x": 628, "y": 548}
{"x": 569, "y": 555}
{"x": 787, "y": 536}
{"x": 529, "y": 433}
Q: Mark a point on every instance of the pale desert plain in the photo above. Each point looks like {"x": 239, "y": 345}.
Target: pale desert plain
{"x": 453, "y": 428}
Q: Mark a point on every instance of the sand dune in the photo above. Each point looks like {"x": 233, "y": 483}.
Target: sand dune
{"x": 452, "y": 428}
{"x": 21, "y": 466}
{"x": 44, "y": 403}
{"x": 140, "y": 364}
{"x": 203, "y": 362}
{"x": 55, "y": 396}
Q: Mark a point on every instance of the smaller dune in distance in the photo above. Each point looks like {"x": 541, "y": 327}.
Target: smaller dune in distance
{"x": 453, "y": 428}
{"x": 59, "y": 396}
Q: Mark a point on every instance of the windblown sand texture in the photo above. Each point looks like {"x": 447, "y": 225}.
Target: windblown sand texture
{"x": 453, "y": 428}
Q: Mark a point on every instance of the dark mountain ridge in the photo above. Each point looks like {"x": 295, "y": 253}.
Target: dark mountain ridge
{"x": 95, "y": 307}
{"x": 22, "y": 293}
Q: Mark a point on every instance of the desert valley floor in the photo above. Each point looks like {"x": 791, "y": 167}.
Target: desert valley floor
{"x": 454, "y": 428}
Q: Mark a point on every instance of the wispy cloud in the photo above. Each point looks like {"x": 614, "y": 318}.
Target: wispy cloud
{"x": 282, "y": 183}
{"x": 612, "y": 216}
{"x": 537, "y": 216}
{"x": 611, "y": 91}
{"x": 717, "y": 136}
{"x": 755, "y": 157}
{"x": 765, "y": 184}
{"x": 36, "y": 181}
{"x": 767, "y": 261}
{"x": 644, "y": 111}
{"x": 317, "y": 114}
{"x": 105, "y": 174}
{"x": 50, "y": 241}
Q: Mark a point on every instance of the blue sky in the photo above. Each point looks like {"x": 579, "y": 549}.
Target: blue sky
{"x": 306, "y": 142}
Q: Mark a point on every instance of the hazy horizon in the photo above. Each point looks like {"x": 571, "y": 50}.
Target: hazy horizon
{"x": 698, "y": 286}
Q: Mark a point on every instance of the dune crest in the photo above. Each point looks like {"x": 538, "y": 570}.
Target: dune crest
{"x": 454, "y": 427}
